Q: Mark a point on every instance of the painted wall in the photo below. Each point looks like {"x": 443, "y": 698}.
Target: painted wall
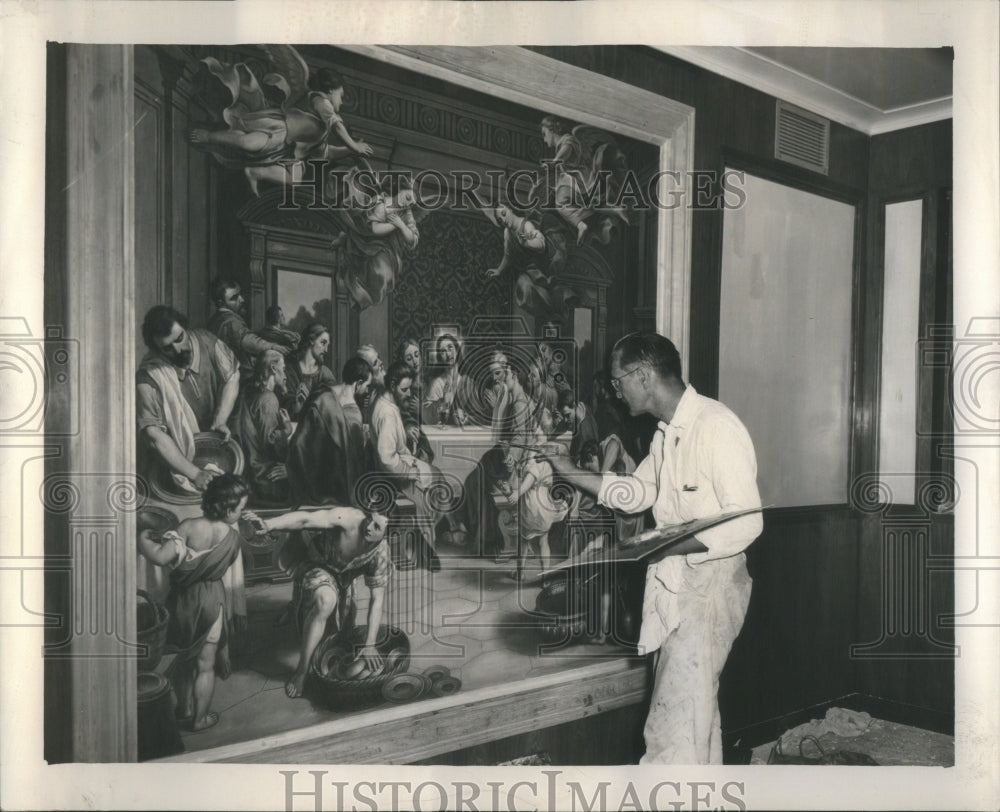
{"x": 175, "y": 195}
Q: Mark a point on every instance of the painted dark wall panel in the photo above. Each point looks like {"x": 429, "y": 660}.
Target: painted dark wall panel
{"x": 793, "y": 651}
{"x": 911, "y": 661}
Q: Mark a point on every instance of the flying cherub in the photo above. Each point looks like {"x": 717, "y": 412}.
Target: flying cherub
{"x": 272, "y": 142}
{"x": 589, "y": 167}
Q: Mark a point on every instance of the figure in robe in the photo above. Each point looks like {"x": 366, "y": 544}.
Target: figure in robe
{"x": 534, "y": 248}
{"x": 272, "y": 141}
{"x": 451, "y": 395}
{"x": 583, "y": 178}
{"x": 326, "y": 455}
{"x": 380, "y": 231}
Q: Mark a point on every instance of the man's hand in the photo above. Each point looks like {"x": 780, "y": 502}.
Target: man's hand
{"x": 203, "y": 477}
{"x": 372, "y": 658}
{"x": 223, "y": 429}
{"x": 556, "y": 455}
{"x": 286, "y": 420}
{"x": 413, "y": 433}
{"x": 492, "y": 273}
{"x": 259, "y": 525}
{"x": 276, "y": 473}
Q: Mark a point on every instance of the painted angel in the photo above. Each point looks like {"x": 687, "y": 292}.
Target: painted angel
{"x": 535, "y": 249}
{"x": 585, "y": 158}
{"x": 272, "y": 142}
{"x": 381, "y": 230}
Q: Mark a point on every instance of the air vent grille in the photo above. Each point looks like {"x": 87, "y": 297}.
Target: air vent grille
{"x": 801, "y": 138}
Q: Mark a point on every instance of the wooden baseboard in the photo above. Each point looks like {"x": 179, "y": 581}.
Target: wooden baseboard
{"x": 407, "y": 733}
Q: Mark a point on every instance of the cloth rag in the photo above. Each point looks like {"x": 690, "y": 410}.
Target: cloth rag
{"x": 837, "y": 722}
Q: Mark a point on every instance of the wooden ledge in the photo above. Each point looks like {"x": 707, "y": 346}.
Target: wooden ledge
{"x": 406, "y": 733}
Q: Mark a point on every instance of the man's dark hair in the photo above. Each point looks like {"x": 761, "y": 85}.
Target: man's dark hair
{"x": 218, "y": 290}
{"x": 264, "y": 366}
{"x": 650, "y": 348}
{"x": 520, "y": 369}
{"x": 558, "y": 125}
{"x": 222, "y": 495}
{"x": 271, "y": 315}
{"x": 566, "y": 398}
{"x": 310, "y": 334}
{"x": 590, "y": 450}
{"x": 159, "y": 322}
{"x": 326, "y": 79}
{"x": 355, "y": 370}
{"x": 398, "y": 370}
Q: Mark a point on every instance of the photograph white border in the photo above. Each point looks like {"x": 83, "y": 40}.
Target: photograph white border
{"x": 969, "y": 26}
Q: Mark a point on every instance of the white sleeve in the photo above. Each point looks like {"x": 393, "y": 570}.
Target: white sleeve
{"x": 734, "y": 474}
{"x": 631, "y": 493}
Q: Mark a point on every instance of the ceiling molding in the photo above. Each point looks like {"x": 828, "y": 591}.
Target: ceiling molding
{"x": 793, "y": 86}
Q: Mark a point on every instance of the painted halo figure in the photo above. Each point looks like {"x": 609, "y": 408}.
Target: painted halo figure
{"x": 449, "y": 392}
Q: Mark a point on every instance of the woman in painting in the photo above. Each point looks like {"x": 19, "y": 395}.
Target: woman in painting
{"x": 198, "y": 554}
{"x": 271, "y": 142}
{"x": 521, "y": 414}
{"x": 305, "y": 370}
{"x": 551, "y": 361}
{"x": 537, "y": 254}
{"x": 448, "y": 393}
{"x": 541, "y": 391}
{"x": 380, "y": 233}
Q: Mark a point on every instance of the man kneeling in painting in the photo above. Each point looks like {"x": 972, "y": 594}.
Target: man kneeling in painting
{"x": 350, "y": 543}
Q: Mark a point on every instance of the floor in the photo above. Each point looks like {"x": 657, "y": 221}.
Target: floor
{"x": 470, "y": 617}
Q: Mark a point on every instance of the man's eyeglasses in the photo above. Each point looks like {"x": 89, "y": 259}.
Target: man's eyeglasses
{"x": 615, "y": 380}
